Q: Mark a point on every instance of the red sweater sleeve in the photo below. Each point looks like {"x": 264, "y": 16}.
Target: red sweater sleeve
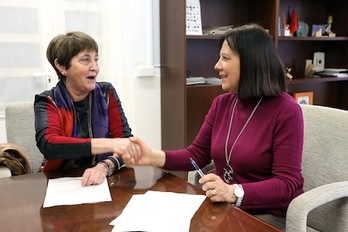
{"x": 50, "y": 133}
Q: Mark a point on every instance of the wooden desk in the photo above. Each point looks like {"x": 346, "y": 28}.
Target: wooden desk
{"x": 21, "y": 199}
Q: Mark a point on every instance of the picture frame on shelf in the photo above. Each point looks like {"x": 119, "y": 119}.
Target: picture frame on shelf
{"x": 318, "y": 30}
{"x": 305, "y": 98}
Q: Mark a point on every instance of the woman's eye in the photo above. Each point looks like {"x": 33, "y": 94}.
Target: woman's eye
{"x": 85, "y": 60}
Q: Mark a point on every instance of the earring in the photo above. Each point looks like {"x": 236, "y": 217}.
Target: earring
{"x": 63, "y": 73}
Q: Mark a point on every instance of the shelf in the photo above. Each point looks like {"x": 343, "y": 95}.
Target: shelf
{"x": 203, "y": 85}
{"x": 317, "y": 79}
{"x": 203, "y": 37}
{"x": 280, "y": 38}
{"x": 308, "y": 38}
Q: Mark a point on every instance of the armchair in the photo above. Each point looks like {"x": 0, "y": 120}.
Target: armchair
{"x": 324, "y": 204}
{"x": 19, "y": 120}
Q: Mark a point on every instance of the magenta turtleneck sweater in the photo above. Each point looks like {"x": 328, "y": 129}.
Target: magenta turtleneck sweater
{"x": 266, "y": 158}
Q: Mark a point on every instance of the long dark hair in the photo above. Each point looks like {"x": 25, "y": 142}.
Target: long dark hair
{"x": 261, "y": 70}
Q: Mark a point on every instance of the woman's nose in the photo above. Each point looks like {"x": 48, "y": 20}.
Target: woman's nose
{"x": 217, "y": 66}
{"x": 94, "y": 65}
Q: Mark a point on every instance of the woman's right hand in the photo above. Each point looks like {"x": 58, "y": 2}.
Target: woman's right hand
{"x": 142, "y": 158}
{"x": 118, "y": 146}
{"x": 125, "y": 145}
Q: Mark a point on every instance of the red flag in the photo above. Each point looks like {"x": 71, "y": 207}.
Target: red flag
{"x": 294, "y": 22}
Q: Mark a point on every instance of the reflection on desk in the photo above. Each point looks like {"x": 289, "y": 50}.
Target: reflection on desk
{"x": 22, "y": 198}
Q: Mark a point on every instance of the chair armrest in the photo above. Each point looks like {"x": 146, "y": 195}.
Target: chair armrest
{"x": 5, "y": 171}
{"x": 296, "y": 217}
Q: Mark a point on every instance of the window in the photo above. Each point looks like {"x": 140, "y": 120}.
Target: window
{"x": 26, "y": 29}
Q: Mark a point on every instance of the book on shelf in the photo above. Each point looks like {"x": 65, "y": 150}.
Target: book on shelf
{"x": 333, "y": 72}
{"x": 213, "y": 80}
{"x": 218, "y": 30}
{"x": 195, "y": 81}
{"x": 203, "y": 81}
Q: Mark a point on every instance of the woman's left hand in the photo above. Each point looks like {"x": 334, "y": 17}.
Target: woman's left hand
{"x": 95, "y": 175}
{"x": 216, "y": 189}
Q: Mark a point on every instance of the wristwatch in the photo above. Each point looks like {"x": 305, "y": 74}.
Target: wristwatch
{"x": 239, "y": 193}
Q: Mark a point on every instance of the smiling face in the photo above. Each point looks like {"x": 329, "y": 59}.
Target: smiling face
{"x": 82, "y": 74}
{"x": 228, "y": 67}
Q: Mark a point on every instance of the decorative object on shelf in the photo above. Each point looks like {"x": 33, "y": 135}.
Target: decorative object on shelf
{"x": 305, "y": 98}
{"x": 218, "y": 30}
{"x": 328, "y": 29}
{"x": 302, "y": 30}
{"x": 318, "y": 30}
{"x": 288, "y": 75}
{"x": 309, "y": 68}
{"x": 329, "y": 24}
{"x": 319, "y": 61}
{"x": 193, "y": 17}
{"x": 285, "y": 29}
{"x": 293, "y": 22}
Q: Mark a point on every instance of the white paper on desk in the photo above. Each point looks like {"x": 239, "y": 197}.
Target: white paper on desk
{"x": 158, "y": 211}
{"x": 69, "y": 191}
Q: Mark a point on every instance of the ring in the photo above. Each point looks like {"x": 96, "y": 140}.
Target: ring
{"x": 213, "y": 192}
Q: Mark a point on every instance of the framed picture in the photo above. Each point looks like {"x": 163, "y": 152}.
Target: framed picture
{"x": 317, "y": 27}
{"x": 305, "y": 98}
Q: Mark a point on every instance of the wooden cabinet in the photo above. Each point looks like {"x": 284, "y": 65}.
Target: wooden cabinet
{"x": 184, "y": 107}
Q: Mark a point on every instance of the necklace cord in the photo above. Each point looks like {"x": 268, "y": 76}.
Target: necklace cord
{"x": 228, "y": 155}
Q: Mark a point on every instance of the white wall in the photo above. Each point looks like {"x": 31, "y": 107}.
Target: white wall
{"x": 133, "y": 47}
{"x": 139, "y": 47}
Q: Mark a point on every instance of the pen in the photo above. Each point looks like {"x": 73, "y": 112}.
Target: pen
{"x": 196, "y": 167}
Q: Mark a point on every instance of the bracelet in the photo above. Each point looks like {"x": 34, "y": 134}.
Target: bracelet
{"x": 104, "y": 164}
{"x": 115, "y": 161}
{"x": 109, "y": 169}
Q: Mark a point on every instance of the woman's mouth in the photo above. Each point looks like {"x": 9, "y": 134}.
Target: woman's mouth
{"x": 222, "y": 76}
